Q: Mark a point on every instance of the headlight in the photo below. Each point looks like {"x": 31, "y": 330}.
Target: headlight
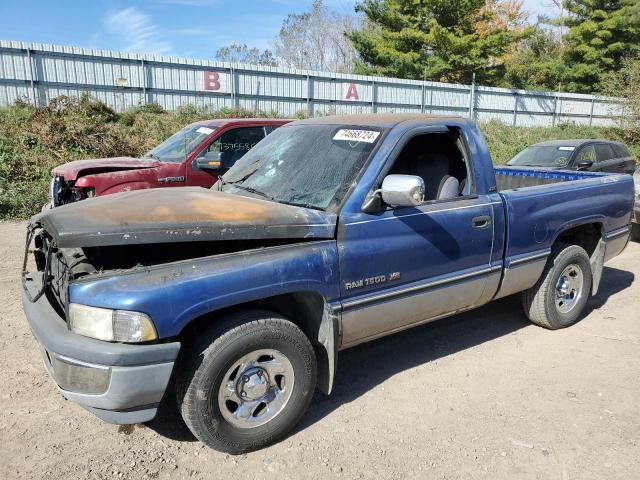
{"x": 111, "y": 325}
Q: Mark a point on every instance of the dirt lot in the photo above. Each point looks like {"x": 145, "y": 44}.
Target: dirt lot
{"x": 480, "y": 395}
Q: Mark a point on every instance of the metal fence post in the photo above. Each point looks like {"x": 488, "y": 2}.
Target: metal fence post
{"x": 32, "y": 78}
{"x": 515, "y": 108}
{"x": 593, "y": 103}
{"x": 555, "y": 109}
{"x": 472, "y": 96}
{"x": 424, "y": 97}
{"x": 309, "y": 97}
{"x": 234, "y": 99}
{"x": 143, "y": 72}
{"x": 373, "y": 96}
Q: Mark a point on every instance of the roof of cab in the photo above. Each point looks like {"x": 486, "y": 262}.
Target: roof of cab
{"x": 221, "y": 122}
{"x": 380, "y": 120}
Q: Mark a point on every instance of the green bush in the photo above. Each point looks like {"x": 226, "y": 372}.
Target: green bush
{"x": 34, "y": 140}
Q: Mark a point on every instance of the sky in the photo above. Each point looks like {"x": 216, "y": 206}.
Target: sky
{"x": 184, "y": 28}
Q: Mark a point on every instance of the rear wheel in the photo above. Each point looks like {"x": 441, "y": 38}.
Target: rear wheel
{"x": 559, "y": 296}
{"x": 635, "y": 232}
{"x": 247, "y": 382}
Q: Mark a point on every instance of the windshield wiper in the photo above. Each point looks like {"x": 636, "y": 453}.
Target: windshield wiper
{"x": 251, "y": 171}
{"x": 254, "y": 191}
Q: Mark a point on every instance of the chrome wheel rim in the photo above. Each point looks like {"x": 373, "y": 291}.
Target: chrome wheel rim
{"x": 256, "y": 388}
{"x": 569, "y": 288}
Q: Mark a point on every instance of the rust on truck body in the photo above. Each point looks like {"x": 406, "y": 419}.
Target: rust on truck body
{"x": 177, "y": 215}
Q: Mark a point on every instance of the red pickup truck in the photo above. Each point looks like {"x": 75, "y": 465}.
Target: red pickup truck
{"x": 195, "y": 156}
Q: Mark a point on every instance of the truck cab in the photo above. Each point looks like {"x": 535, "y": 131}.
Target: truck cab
{"x": 196, "y": 155}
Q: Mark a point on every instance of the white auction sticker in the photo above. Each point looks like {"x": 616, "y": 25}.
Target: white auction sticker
{"x": 567, "y": 149}
{"x": 367, "y": 136}
{"x": 205, "y": 130}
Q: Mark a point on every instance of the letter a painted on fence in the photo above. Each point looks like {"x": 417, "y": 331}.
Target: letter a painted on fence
{"x": 352, "y": 92}
{"x": 211, "y": 81}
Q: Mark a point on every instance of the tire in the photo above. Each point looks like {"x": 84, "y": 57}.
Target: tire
{"x": 257, "y": 351}
{"x": 635, "y": 232}
{"x": 549, "y": 303}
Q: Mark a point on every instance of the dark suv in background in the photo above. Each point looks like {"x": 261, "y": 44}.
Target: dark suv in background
{"x": 593, "y": 155}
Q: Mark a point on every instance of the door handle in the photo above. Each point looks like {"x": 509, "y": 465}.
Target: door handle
{"x": 483, "y": 221}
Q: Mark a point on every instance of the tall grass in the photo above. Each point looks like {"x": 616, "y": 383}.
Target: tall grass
{"x": 34, "y": 140}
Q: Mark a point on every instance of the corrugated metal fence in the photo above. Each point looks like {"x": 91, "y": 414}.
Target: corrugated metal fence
{"x": 38, "y": 72}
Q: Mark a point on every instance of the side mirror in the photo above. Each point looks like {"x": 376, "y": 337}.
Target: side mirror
{"x": 402, "y": 190}
{"x": 210, "y": 161}
{"x": 585, "y": 165}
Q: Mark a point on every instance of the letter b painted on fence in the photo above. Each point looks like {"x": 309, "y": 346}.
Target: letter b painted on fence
{"x": 211, "y": 81}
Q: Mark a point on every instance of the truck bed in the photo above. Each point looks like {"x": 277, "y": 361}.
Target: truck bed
{"x": 539, "y": 204}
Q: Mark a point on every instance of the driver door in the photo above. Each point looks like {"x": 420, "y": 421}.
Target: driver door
{"x": 405, "y": 265}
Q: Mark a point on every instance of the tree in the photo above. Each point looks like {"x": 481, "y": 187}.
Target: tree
{"x": 625, "y": 84}
{"x": 316, "y": 40}
{"x": 448, "y": 40}
{"x": 537, "y": 62}
{"x": 601, "y": 33}
{"x": 236, "y": 53}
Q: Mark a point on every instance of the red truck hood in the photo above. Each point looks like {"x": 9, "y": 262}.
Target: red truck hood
{"x": 79, "y": 168}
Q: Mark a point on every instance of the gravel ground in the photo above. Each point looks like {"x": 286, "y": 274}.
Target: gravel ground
{"x": 480, "y": 395}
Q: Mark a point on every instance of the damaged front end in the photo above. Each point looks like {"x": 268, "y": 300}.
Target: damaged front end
{"x": 62, "y": 192}
{"x": 48, "y": 270}
{"x": 142, "y": 229}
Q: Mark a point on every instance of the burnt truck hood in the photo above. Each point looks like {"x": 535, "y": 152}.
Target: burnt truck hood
{"x": 73, "y": 170}
{"x": 179, "y": 215}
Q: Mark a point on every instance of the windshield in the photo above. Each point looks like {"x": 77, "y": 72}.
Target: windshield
{"x": 307, "y": 165}
{"x": 179, "y": 145}
{"x": 543, "y": 156}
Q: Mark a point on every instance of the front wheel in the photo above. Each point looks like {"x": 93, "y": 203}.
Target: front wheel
{"x": 247, "y": 382}
{"x": 559, "y": 296}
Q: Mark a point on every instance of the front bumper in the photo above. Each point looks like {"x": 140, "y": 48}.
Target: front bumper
{"x": 120, "y": 383}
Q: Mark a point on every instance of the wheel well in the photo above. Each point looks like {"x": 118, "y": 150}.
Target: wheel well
{"x": 306, "y": 309}
{"x": 586, "y": 236}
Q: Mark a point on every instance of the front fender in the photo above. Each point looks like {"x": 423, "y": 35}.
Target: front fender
{"x": 175, "y": 294}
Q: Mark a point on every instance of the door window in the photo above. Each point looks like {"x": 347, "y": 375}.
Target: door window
{"x": 586, "y": 154}
{"x": 233, "y": 144}
{"x": 605, "y": 152}
{"x": 439, "y": 161}
{"x": 621, "y": 150}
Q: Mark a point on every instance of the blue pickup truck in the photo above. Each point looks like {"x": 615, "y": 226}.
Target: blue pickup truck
{"x": 329, "y": 233}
